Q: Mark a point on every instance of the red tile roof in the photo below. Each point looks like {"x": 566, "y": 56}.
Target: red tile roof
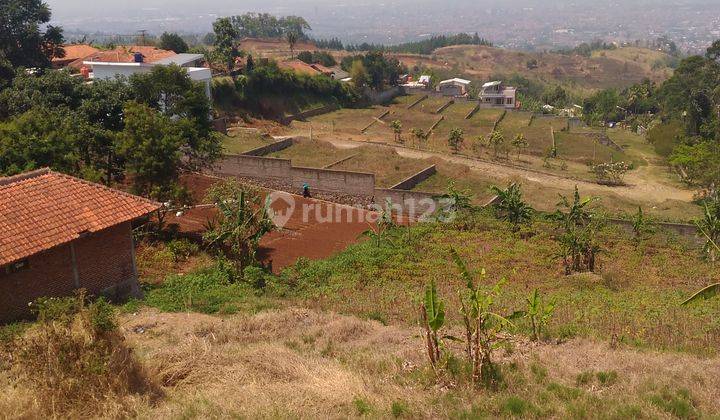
{"x": 75, "y": 51}
{"x": 126, "y": 54}
{"x": 42, "y": 209}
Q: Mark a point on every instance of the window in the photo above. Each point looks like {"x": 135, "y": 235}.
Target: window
{"x": 509, "y": 101}
{"x": 21, "y": 265}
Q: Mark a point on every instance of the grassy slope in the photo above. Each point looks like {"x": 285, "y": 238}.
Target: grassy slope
{"x": 617, "y": 68}
{"x": 625, "y": 349}
{"x": 634, "y": 298}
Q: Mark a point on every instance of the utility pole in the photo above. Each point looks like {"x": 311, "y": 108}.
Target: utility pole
{"x": 142, "y": 33}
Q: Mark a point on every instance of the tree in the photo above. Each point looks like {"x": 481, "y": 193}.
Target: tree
{"x": 225, "y": 50}
{"x": 520, "y": 143}
{"x": 358, "y": 74}
{"x": 292, "y": 38}
{"x": 420, "y": 135}
{"x": 455, "y": 139}
{"x": 40, "y": 137}
{"x": 306, "y": 57}
{"x": 241, "y": 222}
{"x": 610, "y": 173}
{"x": 510, "y": 206}
{"x": 22, "y": 42}
{"x": 578, "y": 245}
{"x": 151, "y": 147}
{"x": 496, "y": 140}
{"x": 396, "y": 126}
{"x": 173, "y": 42}
{"x": 713, "y": 51}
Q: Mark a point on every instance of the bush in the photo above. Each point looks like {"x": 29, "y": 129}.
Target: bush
{"x": 75, "y": 363}
{"x": 209, "y": 290}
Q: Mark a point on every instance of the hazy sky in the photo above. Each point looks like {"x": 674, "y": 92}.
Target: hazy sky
{"x": 511, "y": 21}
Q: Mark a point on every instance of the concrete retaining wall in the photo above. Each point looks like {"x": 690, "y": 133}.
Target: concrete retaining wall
{"x": 346, "y": 182}
{"x": 343, "y": 160}
{"x": 265, "y": 168}
{"x": 413, "y": 203}
{"x": 253, "y": 167}
{"x": 309, "y": 113}
{"x": 270, "y": 148}
{"x": 410, "y": 182}
{"x": 417, "y": 101}
{"x": 686, "y": 231}
{"x": 444, "y": 106}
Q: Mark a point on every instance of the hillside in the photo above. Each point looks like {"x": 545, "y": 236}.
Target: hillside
{"x": 610, "y": 68}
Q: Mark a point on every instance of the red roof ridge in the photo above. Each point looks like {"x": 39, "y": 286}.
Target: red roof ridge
{"x": 47, "y": 171}
{"x": 7, "y": 180}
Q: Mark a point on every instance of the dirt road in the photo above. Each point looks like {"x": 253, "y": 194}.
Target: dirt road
{"x": 642, "y": 185}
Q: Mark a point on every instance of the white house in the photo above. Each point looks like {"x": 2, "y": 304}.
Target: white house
{"x": 496, "y": 94}
{"x": 454, "y": 87}
{"x": 104, "y": 70}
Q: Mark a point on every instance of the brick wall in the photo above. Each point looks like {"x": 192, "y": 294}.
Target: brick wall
{"x": 104, "y": 265}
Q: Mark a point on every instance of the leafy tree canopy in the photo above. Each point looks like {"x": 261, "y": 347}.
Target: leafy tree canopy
{"x": 173, "y": 42}
{"x": 25, "y": 41}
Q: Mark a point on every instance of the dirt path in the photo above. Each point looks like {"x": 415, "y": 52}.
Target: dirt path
{"x": 642, "y": 184}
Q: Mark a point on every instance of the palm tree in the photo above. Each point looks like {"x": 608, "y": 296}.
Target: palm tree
{"x": 292, "y": 39}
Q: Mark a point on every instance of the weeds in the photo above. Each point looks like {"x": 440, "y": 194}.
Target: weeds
{"x": 75, "y": 360}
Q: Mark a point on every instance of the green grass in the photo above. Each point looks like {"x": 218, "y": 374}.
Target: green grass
{"x": 208, "y": 290}
{"x": 635, "y": 296}
{"x": 312, "y": 154}
{"x": 242, "y": 140}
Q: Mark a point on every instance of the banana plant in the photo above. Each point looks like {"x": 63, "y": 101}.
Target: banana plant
{"x": 712, "y": 290}
{"x": 482, "y": 324}
{"x": 538, "y": 313}
{"x": 432, "y": 313}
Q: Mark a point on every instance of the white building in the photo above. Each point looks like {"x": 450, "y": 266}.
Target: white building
{"x": 454, "y": 87}
{"x": 496, "y": 94}
{"x": 104, "y": 70}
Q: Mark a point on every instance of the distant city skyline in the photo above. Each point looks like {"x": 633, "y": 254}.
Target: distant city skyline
{"x": 527, "y": 24}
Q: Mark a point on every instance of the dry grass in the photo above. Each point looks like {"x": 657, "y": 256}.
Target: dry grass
{"x": 300, "y": 363}
{"x": 74, "y": 363}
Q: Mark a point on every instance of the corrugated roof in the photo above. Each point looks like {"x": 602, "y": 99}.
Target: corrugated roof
{"x": 180, "y": 59}
{"x": 455, "y": 80}
{"x": 43, "y": 209}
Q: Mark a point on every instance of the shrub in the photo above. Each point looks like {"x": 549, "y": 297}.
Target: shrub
{"x": 75, "y": 363}
{"x": 206, "y": 291}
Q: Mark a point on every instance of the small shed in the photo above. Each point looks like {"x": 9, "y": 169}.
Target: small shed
{"x": 454, "y": 87}
{"x": 59, "y": 234}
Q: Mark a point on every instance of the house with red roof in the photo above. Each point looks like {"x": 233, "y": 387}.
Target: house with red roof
{"x": 59, "y": 234}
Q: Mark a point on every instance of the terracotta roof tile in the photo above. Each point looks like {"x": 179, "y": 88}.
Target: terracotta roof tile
{"x": 42, "y": 209}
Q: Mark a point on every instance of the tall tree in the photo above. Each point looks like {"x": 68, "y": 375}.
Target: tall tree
{"x": 225, "y": 43}
{"x": 22, "y": 41}
{"x": 173, "y": 42}
{"x": 151, "y": 147}
{"x": 292, "y": 39}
